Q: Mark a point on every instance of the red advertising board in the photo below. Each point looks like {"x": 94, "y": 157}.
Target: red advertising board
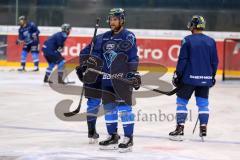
{"x": 160, "y": 51}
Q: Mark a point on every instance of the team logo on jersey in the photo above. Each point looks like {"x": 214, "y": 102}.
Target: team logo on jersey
{"x": 109, "y": 45}
{"x": 25, "y": 33}
{"x": 109, "y": 57}
{"x": 125, "y": 45}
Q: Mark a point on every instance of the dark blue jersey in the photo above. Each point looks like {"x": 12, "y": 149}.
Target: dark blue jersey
{"x": 29, "y": 33}
{"x": 108, "y": 46}
{"x": 198, "y": 60}
{"x": 55, "y": 42}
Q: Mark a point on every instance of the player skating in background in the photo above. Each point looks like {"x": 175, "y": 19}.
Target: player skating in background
{"x": 195, "y": 72}
{"x": 52, "y": 49}
{"x": 29, "y": 38}
{"x": 108, "y": 47}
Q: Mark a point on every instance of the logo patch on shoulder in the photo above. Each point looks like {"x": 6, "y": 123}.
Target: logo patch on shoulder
{"x": 183, "y": 41}
{"x": 131, "y": 38}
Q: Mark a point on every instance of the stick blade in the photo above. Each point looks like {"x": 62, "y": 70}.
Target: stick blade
{"x": 71, "y": 82}
{"x": 70, "y": 114}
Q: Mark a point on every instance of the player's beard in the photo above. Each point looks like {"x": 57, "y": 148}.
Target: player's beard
{"x": 116, "y": 29}
{"x": 21, "y": 24}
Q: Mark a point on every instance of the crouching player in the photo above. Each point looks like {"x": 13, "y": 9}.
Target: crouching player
{"x": 52, "y": 49}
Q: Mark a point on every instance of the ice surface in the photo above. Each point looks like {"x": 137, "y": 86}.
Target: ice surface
{"x": 30, "y": 130}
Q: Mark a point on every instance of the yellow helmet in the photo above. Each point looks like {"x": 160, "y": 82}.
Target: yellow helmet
{"x": 197, "y": 22}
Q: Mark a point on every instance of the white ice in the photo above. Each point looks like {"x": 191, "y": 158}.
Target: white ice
{"x": 30, "y": 130}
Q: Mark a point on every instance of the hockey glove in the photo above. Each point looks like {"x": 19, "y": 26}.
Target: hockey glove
{"x": 92, "y": 62}
{"x": 135, "y": 78}
{"x": 35, "y": 37}
{"x": 19, "y": 42}
{"x": 176, "y": 80}
{"x": 80, "y": 71}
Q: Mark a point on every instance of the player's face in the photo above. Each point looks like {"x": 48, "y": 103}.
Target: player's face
{"x": 115, "y": 24}
{"x": 22, "y": 23}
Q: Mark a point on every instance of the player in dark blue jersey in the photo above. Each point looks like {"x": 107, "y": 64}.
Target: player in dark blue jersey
{"x": 52, "y": 49}
{"x": 118, "y": 51}
{"x": 28, "y": 36}
{"x": 195, "y": 72}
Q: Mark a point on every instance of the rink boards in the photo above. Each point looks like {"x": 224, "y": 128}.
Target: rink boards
{"x": 154, "y": 46}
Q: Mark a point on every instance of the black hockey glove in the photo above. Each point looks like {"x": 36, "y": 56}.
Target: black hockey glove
{"x": 92, "y": 62}
{"x": 135, "y": 78}
{"x": 80, "y": 71}
{"x": 176, "y": 80}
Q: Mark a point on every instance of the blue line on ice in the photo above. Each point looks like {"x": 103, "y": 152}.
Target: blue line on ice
{"x": 140, "y": 136}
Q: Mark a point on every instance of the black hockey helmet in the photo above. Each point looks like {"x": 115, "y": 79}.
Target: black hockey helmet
{"x": 116, "y": 12}
{"x": 22, "y": 17}
{"x": 197, "y": 22}
{"x": 66, "y": 27}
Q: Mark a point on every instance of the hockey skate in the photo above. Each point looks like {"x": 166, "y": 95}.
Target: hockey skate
{"x": 93, "y": 137}
{"x": 126, "y": 145}
{"x": 36, "y": 69}
{"x": 178, "y": 134}
{"x": 111, "y": 143}
{"x": 60, "y": 80}
{"x": 203, "y": 132}
{"x": 46, "y": 79}
{"x": 22, "y": 69}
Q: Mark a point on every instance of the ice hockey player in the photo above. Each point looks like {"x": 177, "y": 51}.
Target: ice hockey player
{"x": 195, "y": 72}
{"x": 108, "y": 46}
{"x": 93, "y": 94}
{"x": 28, "y": 37}
{"x": 52, "y": 49}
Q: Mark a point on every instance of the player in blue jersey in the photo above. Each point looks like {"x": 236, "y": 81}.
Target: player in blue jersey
{"x": 195, "y": 72}
{"x": 52, "y": 49}
{"x": 29, "y": 38}
{"x": 118, "y": 51}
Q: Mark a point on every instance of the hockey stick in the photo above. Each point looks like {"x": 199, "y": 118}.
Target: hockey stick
{"x": 168, "y": 93}
{"x": 69, "y": 114}
{"x": 195, "y": 126}
{"x": 70, "y": 82}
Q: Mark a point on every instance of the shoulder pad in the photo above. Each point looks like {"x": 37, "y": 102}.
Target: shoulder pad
{"x": 184, "y": 41}
{"x": 106, "y": 33}
{"x": 99, "y": 35}
{"x": 31, "y": 24}
{"x": 131, "y": 37}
